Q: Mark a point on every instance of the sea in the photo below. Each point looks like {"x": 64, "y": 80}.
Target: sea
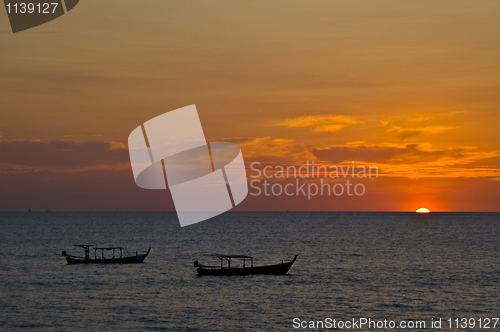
{"x": 351, "y": 268}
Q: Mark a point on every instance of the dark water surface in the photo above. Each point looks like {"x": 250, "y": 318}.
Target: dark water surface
{"x": 395, "y": 266}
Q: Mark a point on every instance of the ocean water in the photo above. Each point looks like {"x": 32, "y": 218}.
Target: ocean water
{"x": 394, "y": 266}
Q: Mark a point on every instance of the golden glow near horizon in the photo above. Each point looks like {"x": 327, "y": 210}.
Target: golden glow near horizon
{"x": 423, "y": 210}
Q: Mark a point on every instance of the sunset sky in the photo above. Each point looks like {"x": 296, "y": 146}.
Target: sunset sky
{"x": 412, "y": 87}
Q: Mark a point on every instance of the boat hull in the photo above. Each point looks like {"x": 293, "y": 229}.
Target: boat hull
{"x": 121, "y": 260}
{"x": 278, "y": 269}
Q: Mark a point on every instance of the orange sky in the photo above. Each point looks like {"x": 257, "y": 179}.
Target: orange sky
{"x": 411, "y": 87}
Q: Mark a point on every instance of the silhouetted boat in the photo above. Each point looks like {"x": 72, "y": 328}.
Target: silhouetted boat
{"x": 103, "y": 260}
{"x": 227, "y": 269}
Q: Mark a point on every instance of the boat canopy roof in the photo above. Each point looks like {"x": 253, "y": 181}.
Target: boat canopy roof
{"x": 230, "y": 256}
{"x": 96, "y": 248}
{"x": 108, "y": 248}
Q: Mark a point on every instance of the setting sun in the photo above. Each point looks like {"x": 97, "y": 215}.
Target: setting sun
{"x": 423, "y": 210}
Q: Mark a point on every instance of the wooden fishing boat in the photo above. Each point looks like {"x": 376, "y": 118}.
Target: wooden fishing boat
{"x": 244, "y": 269}
{"x": 101, "y": 259}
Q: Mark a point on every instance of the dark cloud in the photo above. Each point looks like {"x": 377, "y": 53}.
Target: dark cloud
{"x": 236, "y": 140}
{"x": 409, "y": 133}
{"x": 458, "y": 154}
{"x": 78, "y": 176}
{"x": 60, "y": 155}
{"x": 404, "y": 133}
{"x": 465, "y": 161}
{"x": 367, "y": 153}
